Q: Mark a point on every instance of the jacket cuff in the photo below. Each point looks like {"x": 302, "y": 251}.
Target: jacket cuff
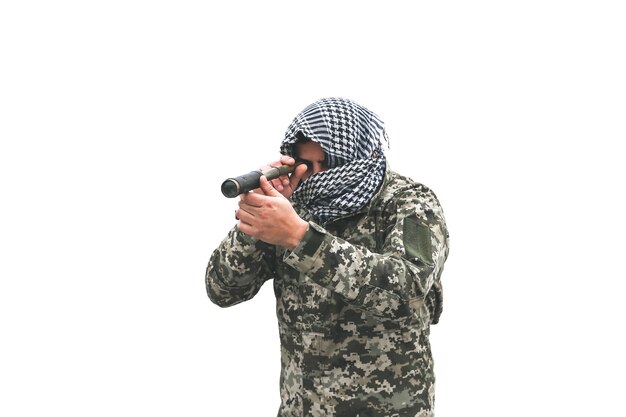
{"x": 304, "y": 257}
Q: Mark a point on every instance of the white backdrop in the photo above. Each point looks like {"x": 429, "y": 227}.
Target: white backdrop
{"x": 120, "y": 119}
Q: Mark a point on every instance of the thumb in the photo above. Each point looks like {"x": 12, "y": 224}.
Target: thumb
{"x": 267, "y": 187}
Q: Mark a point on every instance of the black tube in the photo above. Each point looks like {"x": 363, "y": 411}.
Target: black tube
{"x": 232, "y": 187}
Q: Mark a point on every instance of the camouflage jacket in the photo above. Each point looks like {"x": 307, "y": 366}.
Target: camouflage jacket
{"x": 354, "y": 301}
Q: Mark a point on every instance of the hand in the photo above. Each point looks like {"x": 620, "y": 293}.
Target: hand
{"x": 270, "y": 217}
{"x": 286, "y": 184}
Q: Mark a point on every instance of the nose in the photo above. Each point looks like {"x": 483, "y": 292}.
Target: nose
{"x": 317, "y": 167}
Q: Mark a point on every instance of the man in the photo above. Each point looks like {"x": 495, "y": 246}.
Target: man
{"x": 356, "y": 252}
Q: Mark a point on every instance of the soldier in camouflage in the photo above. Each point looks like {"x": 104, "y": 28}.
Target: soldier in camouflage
{"x": 356, "y": 253}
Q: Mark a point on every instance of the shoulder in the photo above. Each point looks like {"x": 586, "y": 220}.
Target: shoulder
{"x": 401, "y": 192}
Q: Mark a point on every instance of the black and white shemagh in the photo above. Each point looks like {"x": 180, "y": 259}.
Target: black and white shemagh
{"x": 351, "y": 137}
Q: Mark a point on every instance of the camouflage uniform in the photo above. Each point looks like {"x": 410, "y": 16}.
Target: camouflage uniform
{"x": 355, "y": 300}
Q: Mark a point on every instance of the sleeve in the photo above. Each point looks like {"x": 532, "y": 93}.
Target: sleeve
{"x": 238, "y": 268}
{"x": 394, "y": 282}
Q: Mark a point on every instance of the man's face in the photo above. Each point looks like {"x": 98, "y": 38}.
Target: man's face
{"x": 313, "y": 153}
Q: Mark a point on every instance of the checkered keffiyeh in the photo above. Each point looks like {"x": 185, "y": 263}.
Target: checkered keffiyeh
{"x": 352, "y": 139}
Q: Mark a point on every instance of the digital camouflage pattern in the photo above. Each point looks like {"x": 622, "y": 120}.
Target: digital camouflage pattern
{"x": 355, "y": 301}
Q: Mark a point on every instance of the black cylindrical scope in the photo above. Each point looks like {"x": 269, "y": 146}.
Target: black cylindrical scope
{"x": 232, "y": 187}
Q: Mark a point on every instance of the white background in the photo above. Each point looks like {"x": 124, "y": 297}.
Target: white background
{"x": 120, "y": 119}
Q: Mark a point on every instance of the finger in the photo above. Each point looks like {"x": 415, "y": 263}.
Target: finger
{"x": 254, "y": 201}
{"x": 296, "y": 177}
{"x": 245, "y": 216}
{"x": 287, "y": 160}
{"x": 245, "y": 228}
{"x": 267, "y": 187}
{"x": 249, "y": 199}
{"x": 277, "y": 183}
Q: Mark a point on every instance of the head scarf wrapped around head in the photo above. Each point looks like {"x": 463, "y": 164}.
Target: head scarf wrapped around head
{"x": 352, "y": 139}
